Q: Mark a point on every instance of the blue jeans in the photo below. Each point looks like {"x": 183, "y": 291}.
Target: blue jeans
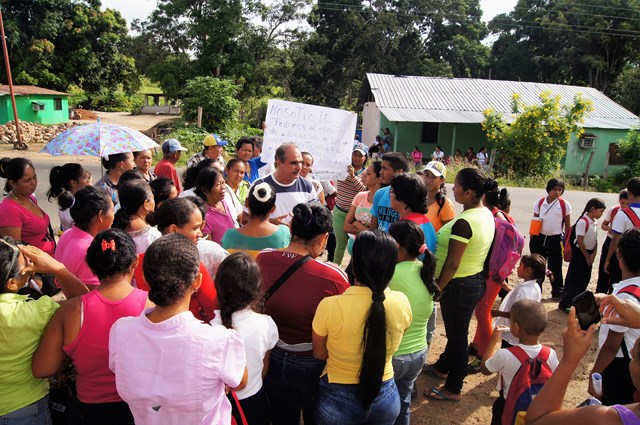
{"x": 406, "y": 368}
{"x": 292, "y": 384}
{"x": 458, "y": 301}
{"x": 34, "y": 414}
{"x": 340, "y": 404}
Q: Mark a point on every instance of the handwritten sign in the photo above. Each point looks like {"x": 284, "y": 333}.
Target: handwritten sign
{"x": 326, "y": 133}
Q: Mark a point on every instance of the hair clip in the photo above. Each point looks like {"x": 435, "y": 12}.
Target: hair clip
{"x": 108, "y": 245}
{"x": 267, "y": 192}
{"x": 422, "y": 248}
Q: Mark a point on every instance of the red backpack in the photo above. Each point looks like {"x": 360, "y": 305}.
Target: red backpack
{"x": 571, "y": 239}
{"x": 526, "y": 383}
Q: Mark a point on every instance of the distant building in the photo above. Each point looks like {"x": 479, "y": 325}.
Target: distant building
{"x": 34, "y": 104}
{"x": 430, "y": 111}
{"x": 159, "y": 104}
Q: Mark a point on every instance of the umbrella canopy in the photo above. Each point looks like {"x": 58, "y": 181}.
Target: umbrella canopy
{"x": 98, "y": 139}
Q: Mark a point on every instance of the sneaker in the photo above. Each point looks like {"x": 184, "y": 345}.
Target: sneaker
{"x": 474, "y": 366}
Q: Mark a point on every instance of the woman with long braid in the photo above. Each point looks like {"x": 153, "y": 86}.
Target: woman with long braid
{"x": 357, "y": 385}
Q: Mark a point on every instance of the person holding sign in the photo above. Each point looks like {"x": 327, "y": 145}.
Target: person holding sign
{"x": 290, "y": 188}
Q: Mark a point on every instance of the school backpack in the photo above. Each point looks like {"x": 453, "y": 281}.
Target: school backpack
{"x": 505, "y": 251}
{"x": 563, "y": 206}
{"x": 526, "y": 383}
{"x": 571, "y": 239}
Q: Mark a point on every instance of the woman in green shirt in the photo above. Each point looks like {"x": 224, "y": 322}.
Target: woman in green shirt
{"x": 463, "y": 245}
{"x": 414, "y": 278}
{"x": 24, "y": 398}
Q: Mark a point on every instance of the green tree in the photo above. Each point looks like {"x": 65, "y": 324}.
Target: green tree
{"x": 626, "y": 89}
{"x": 216, "y": 97}
{"x": 55, "y": 43}
{"x": 629, "y": 148}
{"x": 561, "y": 41}
{"x": 534, "y": 143}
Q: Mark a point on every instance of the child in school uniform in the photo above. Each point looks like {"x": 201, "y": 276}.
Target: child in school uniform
{"x": 533, "y": 269}
{"x": 583, "y": 253}
{"x": 528, "y": 320}
{"x": 604, "y": 284}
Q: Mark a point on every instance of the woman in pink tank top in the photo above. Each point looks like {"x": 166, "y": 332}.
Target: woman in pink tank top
{"x": 80, "y": 329}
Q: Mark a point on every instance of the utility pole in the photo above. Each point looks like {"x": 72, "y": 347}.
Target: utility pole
{"x": 19, "y": 144}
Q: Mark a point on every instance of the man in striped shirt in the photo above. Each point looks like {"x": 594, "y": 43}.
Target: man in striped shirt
{"x": 346, "y": 190}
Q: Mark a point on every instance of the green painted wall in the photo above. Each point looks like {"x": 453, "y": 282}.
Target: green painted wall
{"x": 576, "y": 158}
{"x": 26, "y": 112}
{"x": 461, "y": 136}
{"x": 450, "y": 136}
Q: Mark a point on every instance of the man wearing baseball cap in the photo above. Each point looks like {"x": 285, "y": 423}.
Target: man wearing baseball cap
{"x": 213, "y": 146}
{"x": 171, "y": 150}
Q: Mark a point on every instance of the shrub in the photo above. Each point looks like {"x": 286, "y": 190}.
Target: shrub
{"x": 534, "y": 144}
{"x": 218, "y": 101}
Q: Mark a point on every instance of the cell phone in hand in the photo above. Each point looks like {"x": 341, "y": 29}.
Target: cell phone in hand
{"x": 586, "y": 309}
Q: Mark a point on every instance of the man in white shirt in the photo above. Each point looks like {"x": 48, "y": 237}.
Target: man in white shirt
{"x": 291, "y": 189}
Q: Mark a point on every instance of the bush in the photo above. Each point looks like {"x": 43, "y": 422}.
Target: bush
{"x": 534, "y": 144}
{"x": 218, "y": 101}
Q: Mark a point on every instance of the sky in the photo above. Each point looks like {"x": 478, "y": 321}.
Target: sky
{"x": 140, "y": 9}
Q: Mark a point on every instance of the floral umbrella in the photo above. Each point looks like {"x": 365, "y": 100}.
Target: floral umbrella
{"x": 98, "y": 139}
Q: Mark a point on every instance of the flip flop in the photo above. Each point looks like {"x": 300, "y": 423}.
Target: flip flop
{"x": 436, "y": 395}
{"x": 430, "y": 370}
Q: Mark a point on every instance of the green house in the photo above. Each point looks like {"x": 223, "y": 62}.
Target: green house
{"x": 430, "y": 111}
{"x": 34, "y": 104}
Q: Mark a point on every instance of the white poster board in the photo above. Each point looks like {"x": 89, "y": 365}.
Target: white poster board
{"x": 326, "y": 133}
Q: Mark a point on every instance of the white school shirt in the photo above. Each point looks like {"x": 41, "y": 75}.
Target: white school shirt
{"x": 211, "y": 255}
{"x": 551, "y": 215}
{"x": 528, "y": 290}
{"x": 607, "y": 218}
{"x": 591, "y": 235}
{"x": 508, "y": 364}
{"x": 630, "y": 334}
{"x": 260, "y": 335}
{"x": 622, "y": 223}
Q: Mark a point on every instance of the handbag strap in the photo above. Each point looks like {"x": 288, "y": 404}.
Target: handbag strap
{"x": 285, "y": 276}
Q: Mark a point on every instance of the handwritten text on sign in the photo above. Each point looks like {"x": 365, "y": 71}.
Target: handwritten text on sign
{"x": 326, "y": 133}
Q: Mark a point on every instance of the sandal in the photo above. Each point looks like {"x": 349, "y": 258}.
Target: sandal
{"x": 436, "y": 395}
{"x": 429, "y": 369}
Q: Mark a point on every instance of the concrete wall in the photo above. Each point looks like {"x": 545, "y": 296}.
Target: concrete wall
{"x": 26, "y": 112}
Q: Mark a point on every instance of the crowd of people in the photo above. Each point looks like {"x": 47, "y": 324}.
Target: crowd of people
{"x": 206, "y": 299}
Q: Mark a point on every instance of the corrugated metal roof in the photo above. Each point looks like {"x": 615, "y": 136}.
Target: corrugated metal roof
{"x": 463, "y": 100}
{"x": 28, "y": 90}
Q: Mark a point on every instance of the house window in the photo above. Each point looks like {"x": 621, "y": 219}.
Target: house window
{"x": 37, "y": 106}
{"x": 57, "y": 104}
{"x": 614, "y": 157}
{"x": 430, "y": 132}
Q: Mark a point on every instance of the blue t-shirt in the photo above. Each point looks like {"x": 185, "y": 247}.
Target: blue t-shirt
{"x": 255, "y": 164}
{"x": 381, "y": 209}
{"x": 423, "y": 221}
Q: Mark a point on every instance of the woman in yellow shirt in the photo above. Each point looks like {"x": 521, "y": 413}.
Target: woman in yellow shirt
{"x": 357, "y": 332}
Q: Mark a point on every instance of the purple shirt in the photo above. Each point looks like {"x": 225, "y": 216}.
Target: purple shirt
{"x": 216, "y": 223}
{"x": 174, "y": 372}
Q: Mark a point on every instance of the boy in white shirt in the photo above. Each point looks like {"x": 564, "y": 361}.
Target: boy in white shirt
{"x": 615, "y": 342}
{"x": 528, "y": 321}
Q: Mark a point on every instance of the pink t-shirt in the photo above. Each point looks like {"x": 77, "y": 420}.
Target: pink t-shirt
{"x": 175, "y": 371}
{"x": 216, "y": 223}
{"x": 167, "y": 170}
{"x": 34, "y": 228}
{"x": 72, "y": 252}
{"x": 90, "y": 350}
